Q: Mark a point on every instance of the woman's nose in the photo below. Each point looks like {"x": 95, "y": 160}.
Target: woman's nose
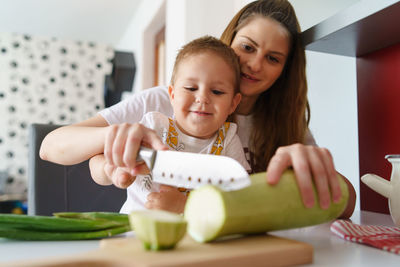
{"x": 254, "y": 63}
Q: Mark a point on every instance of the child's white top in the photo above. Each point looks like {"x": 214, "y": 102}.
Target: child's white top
{"x": 224, "y": 142}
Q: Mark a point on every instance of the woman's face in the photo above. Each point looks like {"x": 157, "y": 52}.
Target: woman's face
{"x": 263, "y": 47}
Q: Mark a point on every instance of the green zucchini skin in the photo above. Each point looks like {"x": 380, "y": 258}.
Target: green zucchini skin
{"x": 54, "y": 224}
{"x": 123, "y": 219}
{"x": 20, "y": 234}
{"x": 258, "y": 208}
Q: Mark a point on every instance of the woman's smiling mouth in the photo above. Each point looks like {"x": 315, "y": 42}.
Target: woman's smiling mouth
{"x": 248, "y": 77}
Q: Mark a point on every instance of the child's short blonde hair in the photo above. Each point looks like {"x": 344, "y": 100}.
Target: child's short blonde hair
{"x": 209, "y": 44}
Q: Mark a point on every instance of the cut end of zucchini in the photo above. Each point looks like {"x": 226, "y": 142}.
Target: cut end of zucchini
{"x": 205, "y": 213}
{"x": 158, "y": 229}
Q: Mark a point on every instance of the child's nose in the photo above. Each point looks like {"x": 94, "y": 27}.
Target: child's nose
{"x": 202, "y": 97}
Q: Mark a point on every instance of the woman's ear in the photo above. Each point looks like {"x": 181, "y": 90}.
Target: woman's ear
{"x": 235, "y": 102}
{"x": 171, "y": 92}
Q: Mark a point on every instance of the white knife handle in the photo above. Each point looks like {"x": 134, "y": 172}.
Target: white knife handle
{"x": 147, "y": 155}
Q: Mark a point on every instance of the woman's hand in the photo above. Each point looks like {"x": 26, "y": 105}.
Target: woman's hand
{"x": 169, "y": 198}
{"x": 310, "y": 164}
{"x": 122, "y": 143}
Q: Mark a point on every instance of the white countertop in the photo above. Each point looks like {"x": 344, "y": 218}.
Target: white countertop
{"x": 329, "y": 250}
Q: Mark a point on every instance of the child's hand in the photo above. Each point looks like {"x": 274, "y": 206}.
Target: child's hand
{"x": 120, "y": 177}
{"x": 169, "y": 199}
{"x": 122, "y": 143}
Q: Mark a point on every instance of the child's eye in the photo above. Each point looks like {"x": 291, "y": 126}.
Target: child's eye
{"x": 217, "y": 92}
{"x": 190, "y": 88}
{"x": 247, "y": 48}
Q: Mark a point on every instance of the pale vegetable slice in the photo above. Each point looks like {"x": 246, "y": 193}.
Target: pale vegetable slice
{"x": 158, "y": 229}
{"x": 212, "y": 213}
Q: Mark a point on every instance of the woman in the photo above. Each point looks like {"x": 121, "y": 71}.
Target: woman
{"x": 272, "y": 117}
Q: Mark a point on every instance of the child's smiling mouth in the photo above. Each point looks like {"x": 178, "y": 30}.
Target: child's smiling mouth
{"x": 201, "y": 113}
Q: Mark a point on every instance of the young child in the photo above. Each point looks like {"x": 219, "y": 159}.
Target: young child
{"x": 204, "y": 91}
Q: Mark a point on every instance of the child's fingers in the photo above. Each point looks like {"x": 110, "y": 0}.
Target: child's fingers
{"x": 167, "y": 188}
{"x": 108, "y": 143}
{"x": 133, "y": 143}
{"x": 140, "y": 169}
{"x": 118, "y": 148}
{"x": 122, "y": 178}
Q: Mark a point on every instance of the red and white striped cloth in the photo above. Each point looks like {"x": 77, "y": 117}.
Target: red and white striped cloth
{"x": 386, "y": 238}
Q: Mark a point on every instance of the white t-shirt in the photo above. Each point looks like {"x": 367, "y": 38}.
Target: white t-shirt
{"x": 170, "y": 134}
{"x": 132, "y": 110}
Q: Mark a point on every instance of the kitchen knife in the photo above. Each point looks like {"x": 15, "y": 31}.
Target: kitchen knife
{"x": 191, "y": 170}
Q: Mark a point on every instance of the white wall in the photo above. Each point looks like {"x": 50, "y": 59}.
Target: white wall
{"x": 190, "y": 19}
{"x": 102, "y": 21}
{"x": 332, "y": 93}
{"x": 149, "y": 19}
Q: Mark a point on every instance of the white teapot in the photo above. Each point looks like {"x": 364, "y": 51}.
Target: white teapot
{"x": 389, "y": 189}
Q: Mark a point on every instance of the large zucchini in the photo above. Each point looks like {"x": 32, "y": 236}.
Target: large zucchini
{"x": 212, "y": 213}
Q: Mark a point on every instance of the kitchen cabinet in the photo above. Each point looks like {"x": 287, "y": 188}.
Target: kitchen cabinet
{"x": 368, "y": 31}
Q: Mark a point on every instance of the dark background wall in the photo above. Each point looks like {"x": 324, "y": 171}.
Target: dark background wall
{"x": 378, "y": 83}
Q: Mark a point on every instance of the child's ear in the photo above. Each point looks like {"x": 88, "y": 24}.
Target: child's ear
{"x": 235, "y": 102}
{"x": 171, "y": 92}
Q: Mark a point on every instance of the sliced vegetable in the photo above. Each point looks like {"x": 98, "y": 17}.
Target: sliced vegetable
{"x": 158, "y": 229}
{"x": 212, "y": 213}
{"x": 44, "y": 235}
{"x": 67, "y": 226}
{"x": 109, "y": 216}
{"x": 48, "y": 223}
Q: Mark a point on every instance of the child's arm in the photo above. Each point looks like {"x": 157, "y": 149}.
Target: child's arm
{"x": 119, "y": 143}
{"x": 169, "y": 198}
{"x": 75, "y": 143}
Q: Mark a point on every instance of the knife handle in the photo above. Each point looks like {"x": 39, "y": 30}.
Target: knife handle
{"x": 147, "y": 155}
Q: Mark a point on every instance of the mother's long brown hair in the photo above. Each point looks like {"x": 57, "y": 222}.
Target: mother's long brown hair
{"x": 281, "y": 113}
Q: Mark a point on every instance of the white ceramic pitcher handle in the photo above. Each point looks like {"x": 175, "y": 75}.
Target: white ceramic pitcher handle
{"x": 378, "y": 184}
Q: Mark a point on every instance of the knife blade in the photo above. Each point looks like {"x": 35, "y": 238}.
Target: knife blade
{"x": 192, "y": 170}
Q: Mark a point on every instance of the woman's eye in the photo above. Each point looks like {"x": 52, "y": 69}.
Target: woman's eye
{"x": 247, "y": 48}
{"x": 273, "y": 59}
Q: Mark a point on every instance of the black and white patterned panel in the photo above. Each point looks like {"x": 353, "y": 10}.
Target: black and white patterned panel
{"x": 45, "y": 80}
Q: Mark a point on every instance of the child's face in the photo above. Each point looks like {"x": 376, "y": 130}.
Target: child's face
{"x": 203, "y": 94}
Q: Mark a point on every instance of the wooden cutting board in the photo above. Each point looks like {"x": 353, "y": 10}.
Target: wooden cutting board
{"x": 256, "y": 250}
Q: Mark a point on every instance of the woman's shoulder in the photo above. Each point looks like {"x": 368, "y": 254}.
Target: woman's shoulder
{"x": 154, "y": 118}
{"x": 152, "y": 93}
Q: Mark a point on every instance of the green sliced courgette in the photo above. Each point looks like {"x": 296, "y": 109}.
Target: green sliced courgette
{"x": 49, "y": 224}
{"x": 110, "y": 216}
{"x": 258, "y": 208}
{"x": 21, "y": 234}
{"x": 158, "y": 229}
